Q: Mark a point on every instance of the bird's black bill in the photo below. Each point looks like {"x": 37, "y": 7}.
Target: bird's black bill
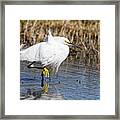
{"x": 76, "y": 46}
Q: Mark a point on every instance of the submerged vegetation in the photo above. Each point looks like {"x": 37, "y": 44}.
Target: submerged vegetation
{"x": 83, "y": 33}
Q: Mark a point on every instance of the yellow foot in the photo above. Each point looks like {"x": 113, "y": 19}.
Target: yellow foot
{"x": 45, "y": 88}
{"x": 45, "y": 72}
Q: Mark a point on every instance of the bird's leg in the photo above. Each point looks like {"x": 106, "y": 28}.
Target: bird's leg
{"x": 42, "y": 81}
{"x": 45, "y": 88}
{"x": 45, "y": 74}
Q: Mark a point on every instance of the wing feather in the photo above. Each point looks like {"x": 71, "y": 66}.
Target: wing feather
{"x": 46, "y": 53}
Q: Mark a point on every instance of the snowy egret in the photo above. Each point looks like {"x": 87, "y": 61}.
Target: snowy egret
{"x": 50, "y": 53}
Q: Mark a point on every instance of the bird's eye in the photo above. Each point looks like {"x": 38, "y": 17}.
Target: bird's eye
{"x": 67, "y": 41}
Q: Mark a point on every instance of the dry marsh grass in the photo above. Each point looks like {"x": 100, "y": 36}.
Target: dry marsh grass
{"x": 83, "y": 33}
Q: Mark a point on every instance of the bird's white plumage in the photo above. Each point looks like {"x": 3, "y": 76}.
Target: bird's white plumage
{"x": 52, "y": 52}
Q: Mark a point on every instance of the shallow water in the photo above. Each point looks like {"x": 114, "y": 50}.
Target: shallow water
{"x": 74, "y": 81}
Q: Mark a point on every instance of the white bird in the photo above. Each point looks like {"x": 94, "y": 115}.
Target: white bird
{"x": 50, "y": 53}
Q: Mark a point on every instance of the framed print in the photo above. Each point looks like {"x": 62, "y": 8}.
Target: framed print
{"x": 60, "y": 59}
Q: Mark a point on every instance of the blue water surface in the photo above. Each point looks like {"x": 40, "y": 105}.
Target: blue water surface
{"x": 74, "y": 81}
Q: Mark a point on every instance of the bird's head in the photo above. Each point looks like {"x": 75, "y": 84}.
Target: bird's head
{"x": 66, "y": 41}
{"x": 62, "y": 40}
